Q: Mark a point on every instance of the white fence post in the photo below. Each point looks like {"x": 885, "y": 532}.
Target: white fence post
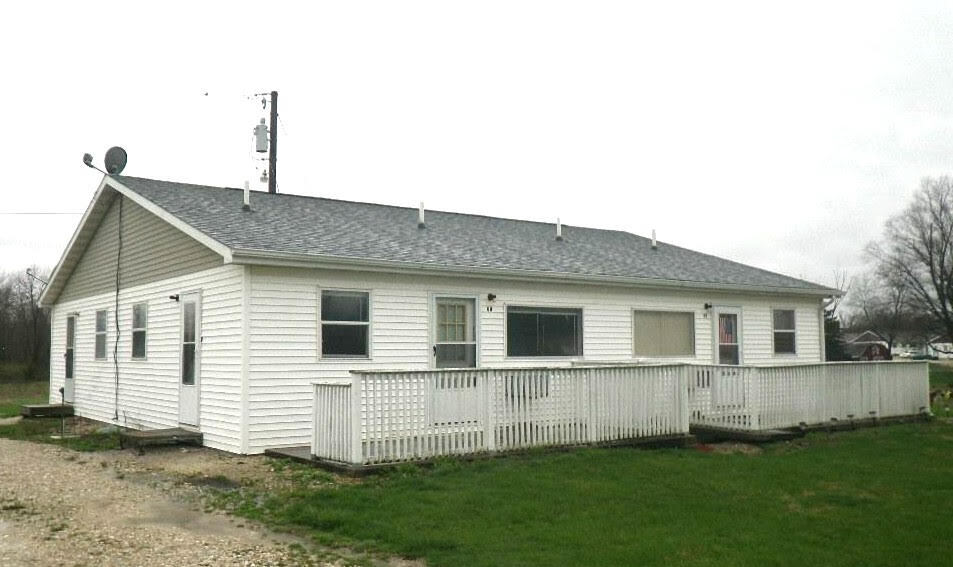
{"x": 357, "y": 382}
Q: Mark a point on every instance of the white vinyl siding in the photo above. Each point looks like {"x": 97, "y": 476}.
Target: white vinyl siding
{"x": 149, "y": 389}
{"x": 284, "y": 326}
{"x": 152, "y": 250}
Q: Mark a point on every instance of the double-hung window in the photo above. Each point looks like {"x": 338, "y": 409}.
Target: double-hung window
{"x": 345, "y": 323}
{"x": 102, "y": 323}
{"x": 663, "y": 333}
{"x": 784, "y": 332}
{"x": 543, "y": 331}
{"x": 140, "y": 322}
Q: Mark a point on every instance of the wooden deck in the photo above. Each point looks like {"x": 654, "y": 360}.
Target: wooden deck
{"x": 46, "y": 410}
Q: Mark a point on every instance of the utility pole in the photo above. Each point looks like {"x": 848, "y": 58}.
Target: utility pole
{"x": 273, "y": 146}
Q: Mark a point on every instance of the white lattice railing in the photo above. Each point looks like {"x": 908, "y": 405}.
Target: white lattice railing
{"x": 379, "y": 417}
{"x": 769, "y": 397}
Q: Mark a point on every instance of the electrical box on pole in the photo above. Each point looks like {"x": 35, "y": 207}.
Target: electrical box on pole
{"x": 266, "y": 140}
{"x": 273, "y": 147}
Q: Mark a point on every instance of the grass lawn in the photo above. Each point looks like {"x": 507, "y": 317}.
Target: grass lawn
{"x": 15, "y": 394}
{"x": 941, "y": 375}
{"x": 876, "y": 496}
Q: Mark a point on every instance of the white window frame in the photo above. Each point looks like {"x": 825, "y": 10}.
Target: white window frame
{"x": 144, "y": 329}
{"x": 432, "y": 333}
{"x": 104, "y": 334}
{"x": 694, "y": 338}
{"x": 369, "y": 323}
{"x": 543, "y": 306}
{"x": 774, "y": 348}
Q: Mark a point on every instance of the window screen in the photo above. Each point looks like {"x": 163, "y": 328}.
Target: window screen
{"x": 345, "y": 323}
{"x": 538, "y": 331}
{"x": 102, "y": 322}
{"x": 784, "y": 333}
{"x": 663, "y": 333}
{"x": 140, "y": 321}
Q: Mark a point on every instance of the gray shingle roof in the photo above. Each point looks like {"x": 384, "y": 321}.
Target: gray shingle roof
{"x": 319, "y": 227}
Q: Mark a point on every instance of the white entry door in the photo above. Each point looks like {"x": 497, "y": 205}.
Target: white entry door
{"x": 727, "y": 331}
{"x": 70, "y": 359}
{"x": 454, "y": 333}
{"x": 190, "y": 358}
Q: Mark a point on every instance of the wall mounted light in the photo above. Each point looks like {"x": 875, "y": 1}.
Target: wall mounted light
{"x": 490, "y": 296}
{"x": 174, "y": 297}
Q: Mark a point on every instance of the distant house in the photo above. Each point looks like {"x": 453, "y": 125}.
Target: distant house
{"x": 172, "y": 305}
{"x": 866, "y": 346}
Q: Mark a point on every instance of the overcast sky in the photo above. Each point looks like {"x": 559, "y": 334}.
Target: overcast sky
{"x": 778, "y": 136}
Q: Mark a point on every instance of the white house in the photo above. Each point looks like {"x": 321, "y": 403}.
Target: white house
{"x": 175, "y": 305}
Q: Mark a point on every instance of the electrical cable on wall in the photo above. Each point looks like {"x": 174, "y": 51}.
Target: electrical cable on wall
{"x": 116, "y": 315}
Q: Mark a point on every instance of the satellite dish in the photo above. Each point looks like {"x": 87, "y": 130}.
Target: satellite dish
{"x": 115, "y": 160}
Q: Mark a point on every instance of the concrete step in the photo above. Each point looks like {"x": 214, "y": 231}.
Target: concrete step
{"x": 130, "y": 438}
{"x": 46, "y": 410}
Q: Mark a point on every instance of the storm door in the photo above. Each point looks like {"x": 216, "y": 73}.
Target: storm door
{"x": 190, "y": 358}
{"x": 455, "y": 341}
{"x": 69, "y": 359}
{"x": 727, "y": 336}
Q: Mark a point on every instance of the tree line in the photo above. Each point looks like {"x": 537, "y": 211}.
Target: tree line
{"x": 906, "y": 297}
{"x": 24, "y": 325}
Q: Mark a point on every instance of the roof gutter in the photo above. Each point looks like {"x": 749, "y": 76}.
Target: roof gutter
{"x": 285, "y": 259}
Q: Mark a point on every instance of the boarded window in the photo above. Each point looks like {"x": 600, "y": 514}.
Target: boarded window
{"x": 663, "y": 333}
{"x": 140, "y": 321}
{"x": 102, "y": 322}
{"x": 540, "y": 331}
{"x": 345, "y": 323}
{"x": 784, "y": 333}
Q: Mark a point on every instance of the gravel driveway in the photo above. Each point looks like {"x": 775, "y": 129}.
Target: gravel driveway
{"x": 63, "y": 508}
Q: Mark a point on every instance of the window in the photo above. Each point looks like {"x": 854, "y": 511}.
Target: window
{"x": 102, "y": 321}
{"x": 784, "y": 331}
{"x": 345, "y": 323}
{"x": 663, "y": 333}
{"x": 455, "y": 345}
{"x": 540, "y": 331}
{"x": 140, "y": 320}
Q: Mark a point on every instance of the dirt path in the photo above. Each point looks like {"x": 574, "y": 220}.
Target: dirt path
{"x": 62, "y": 508}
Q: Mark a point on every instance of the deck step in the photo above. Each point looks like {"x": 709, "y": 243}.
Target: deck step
{"x": 131, "y": 438}
{"x": 46, "y": 410}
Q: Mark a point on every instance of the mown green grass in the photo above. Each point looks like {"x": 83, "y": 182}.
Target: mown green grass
{"x": 877, "y": 496}
{"x": 941, "y": 375}
{"x": 16, "y": 394}
{"x": 47, "y": 430}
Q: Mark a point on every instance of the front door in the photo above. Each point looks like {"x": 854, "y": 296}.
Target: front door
{"x": 727, "y": 336}
{"x": 454, "y": 332}
{"x": 190, "y": 358}
{"x": 70, "y": 359}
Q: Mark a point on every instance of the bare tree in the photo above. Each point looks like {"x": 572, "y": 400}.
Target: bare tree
{"x": 883, "y": 304}
{"x": 24, "y": 325}
{"x": 917, "y": 249}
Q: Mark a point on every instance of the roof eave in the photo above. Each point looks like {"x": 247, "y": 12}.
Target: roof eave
{"x": 286, "y": 259}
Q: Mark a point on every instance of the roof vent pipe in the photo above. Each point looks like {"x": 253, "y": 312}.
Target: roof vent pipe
{"x": 420, "y": 216}
{"x": 654, "y": 242}
{"x": 246, "y": 202}
{"x": 559, "y": 229}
